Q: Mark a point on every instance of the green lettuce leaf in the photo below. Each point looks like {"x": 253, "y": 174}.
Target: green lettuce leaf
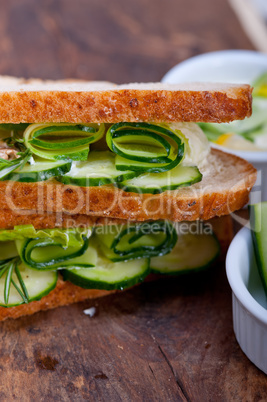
{"x": 66, "y": 237}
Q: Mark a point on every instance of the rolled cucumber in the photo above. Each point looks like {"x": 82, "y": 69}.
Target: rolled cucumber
{"x": 109, "y": 275}
{"x": 143, "y": 240}
{"x": 145, "y": 147}
{"x": 62, "y": 141}
{"x": 49, "y": 254}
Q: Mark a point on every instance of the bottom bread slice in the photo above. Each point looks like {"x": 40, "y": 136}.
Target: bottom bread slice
{"x": 66, "y": 293}
{"x": 227, "y": 181}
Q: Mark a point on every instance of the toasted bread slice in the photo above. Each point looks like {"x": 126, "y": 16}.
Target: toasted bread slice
{"x": 66, "y": 293}
{"x": 227, "y": 181}
{"x": 36, "y": 101}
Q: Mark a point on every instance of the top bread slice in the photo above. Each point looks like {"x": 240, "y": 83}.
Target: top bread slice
{"x": 36, "y": 101}
{"x": 225, "y": 186}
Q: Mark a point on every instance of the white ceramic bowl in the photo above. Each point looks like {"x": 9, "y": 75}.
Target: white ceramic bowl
{"x": 234, "y": 66}
{"x": 249, "y": 299}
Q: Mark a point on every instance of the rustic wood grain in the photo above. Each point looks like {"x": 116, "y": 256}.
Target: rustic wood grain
{"x": 165, "y": 341}
{"x": 129, "y": 41}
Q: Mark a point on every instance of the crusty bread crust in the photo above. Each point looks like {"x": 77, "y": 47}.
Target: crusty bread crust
{"x": 9, "y": 219}
{"x": 227, "y": 181}
{"x": 36, "y": 101}
{"x": 66, "y": 293}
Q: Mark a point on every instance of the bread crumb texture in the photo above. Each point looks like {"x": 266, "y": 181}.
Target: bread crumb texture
{"x": 36, "y": 101}
{"x": 227, "y": 181}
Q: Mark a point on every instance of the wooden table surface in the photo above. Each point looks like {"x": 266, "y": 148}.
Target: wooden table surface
{"x": 163, "y": 341}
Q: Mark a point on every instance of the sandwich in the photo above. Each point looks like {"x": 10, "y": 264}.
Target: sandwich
{"x": 102, "y": 185}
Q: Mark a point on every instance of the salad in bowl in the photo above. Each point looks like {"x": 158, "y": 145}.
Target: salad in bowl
{"x": 245, "y": 135}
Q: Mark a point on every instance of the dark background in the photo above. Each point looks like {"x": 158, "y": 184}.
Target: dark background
{"x": 116, "y": 40}
{"x": 170, "y": 340}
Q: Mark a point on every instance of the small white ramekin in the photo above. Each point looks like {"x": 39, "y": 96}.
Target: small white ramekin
{"x": 234, "y": 66}
{"x": 249, "y": 299}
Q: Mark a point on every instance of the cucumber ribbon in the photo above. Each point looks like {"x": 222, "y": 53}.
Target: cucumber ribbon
{"x": 62, "y": 141}
{"x": 145, "y": 147}
{"x": 50, "y": 249}
{"x": 137, "y": 240}
{"x": 49, "y": 253}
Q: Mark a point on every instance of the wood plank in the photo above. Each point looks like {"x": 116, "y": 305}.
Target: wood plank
{"x": 168, "y": 340}
{"x": 165, "y": 341}
{"x": 130, "y": 41}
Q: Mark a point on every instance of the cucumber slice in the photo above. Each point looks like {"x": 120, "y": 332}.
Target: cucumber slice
{"x": 192, "y": 252}
{"x": 40, "y": 171}
{"x": 109, "y": 275}
{"x": 38, "y": 285}
{"x": 100, "y": 169}
{"x": 258, "y": 220}
{"x": 154, "y": 183}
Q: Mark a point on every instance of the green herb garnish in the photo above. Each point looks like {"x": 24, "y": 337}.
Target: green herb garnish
{"x": 10, "y": 268}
